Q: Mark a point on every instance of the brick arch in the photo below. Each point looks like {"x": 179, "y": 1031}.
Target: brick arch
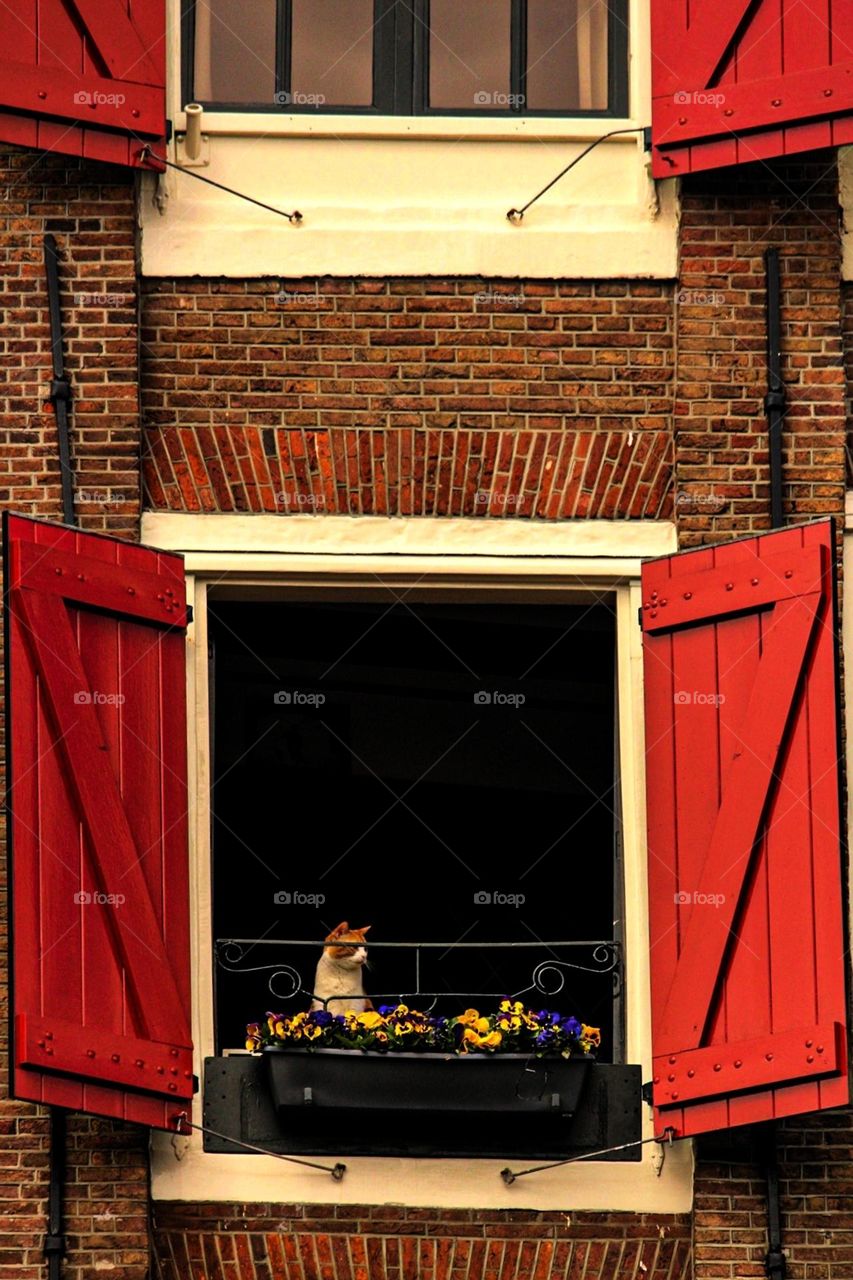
{"x": 548, "y": 475}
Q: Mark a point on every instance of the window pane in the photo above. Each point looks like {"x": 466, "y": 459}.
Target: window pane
{"x": 567, "y": 55}
{"x": 332, "y": 52}
{"x": 469, "y": 54}
{"x": 235, "y": 51}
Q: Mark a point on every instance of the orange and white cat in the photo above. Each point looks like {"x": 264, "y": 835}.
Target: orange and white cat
{"x": 338, "y": 985}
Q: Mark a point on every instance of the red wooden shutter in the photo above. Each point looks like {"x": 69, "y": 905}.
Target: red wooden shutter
{"x": 96, "y": 720}
{"x": 84, "y": 77}
{"x": 741, "y": 80}
{"x": 745, "y": 891}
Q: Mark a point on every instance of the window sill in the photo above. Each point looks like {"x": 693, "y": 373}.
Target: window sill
{"x": 254, "y": 124}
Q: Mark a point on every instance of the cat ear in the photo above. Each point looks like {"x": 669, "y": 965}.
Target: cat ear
{"x": 365, "y": 928}
{"x": 343, "y": 927}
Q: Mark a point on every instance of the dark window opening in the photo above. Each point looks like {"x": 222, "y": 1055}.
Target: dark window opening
{"x": 442, "y": 771}
{"x": 541, "y": 57}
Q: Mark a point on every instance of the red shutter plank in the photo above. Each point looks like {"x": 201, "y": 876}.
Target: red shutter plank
{"x": 98, "y": 806}
{"x": 734, "y": 82}
{"x": 742, "y": 781}
{"x": 85, "y": 78}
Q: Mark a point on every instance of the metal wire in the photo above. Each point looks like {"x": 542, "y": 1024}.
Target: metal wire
{"x": 509, "y": 1177}
{"x": 337, "y": 1171}
{"x": 515, "y": 215}
{"x": 295, "y": 216}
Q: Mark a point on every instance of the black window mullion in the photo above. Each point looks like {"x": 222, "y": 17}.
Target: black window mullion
{"x": 283, "y": 43}
{"x": 518, "y": 56}
{"x": 420, "y": 19}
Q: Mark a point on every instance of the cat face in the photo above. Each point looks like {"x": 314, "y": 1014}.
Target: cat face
{"x": 347, "y": 946}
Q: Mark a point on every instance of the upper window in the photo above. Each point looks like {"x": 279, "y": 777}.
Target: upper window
{"x": 390, "y": 57}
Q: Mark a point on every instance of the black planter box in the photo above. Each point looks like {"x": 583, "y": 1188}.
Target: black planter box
{"x": 349, "y": 1079}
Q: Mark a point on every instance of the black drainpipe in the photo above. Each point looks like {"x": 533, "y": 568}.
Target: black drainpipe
{"x": 775, "y": 401}
{"x": 54, "y": 1241}
{"x": 60, "y": 387}
{"x": 775, "y": 1263}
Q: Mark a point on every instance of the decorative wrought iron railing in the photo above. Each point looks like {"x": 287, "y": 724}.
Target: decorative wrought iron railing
{"x": 286, "y": 979}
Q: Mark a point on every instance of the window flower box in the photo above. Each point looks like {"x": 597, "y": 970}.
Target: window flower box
{"x": 424, "y": 1082}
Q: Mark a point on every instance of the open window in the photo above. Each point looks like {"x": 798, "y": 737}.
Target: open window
{"x": 439, "y": 769}
{"x": 542, "y": 57}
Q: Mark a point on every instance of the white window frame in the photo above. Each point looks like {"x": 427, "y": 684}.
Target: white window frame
{"x": 273, "y": 551}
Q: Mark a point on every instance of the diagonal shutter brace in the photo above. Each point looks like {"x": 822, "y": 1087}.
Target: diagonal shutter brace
{"x": 294, "y": 217}
{"x": 516, "y": 215}
{"x": 182, "y": 1122}
{"x": 509, "y": 1176}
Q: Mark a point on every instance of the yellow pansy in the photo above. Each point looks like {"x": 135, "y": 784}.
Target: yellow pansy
{"x": 370, "y": 1018}
{"x": 469, "y": 1017}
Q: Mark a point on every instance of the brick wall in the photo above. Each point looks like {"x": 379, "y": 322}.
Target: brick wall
{"x": 89, "y": 208}
{"x": 459, "y": 397}
{"x": 729, "y": 219}
{"x": 389, "y": 1242}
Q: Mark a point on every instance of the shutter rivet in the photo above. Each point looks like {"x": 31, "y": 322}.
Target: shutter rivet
{"x": 169, "y": 593}
{"x": 717, "y": 1066}
{"x": 672, "y": 1062}
{"x": 682, "y": 119}
{"x": 670, "y": 1078}
{"x": 738, "y": 1062}
{"x": 48, "y": 1035}
{"x": 663, "y": 604}
{"x": 754, "y": 581}
{"x": 654, "y": 613}
{"x": 827, "y": 93}
{"x": 674, "y": 1093}
{"x": 116, "y": 1058}
{"x": 656, "y": 1080}
{"x": 174, "y": 1053}
{"x": 49, "y": 1050}
{"x": 820, "y": 1048}
{"x": 40, "y": 1044}
{"x": 139, "y": 1062}
{"x": 173, "y": 1088}
{"x": 728, "y": 112}
{"x": 777, "y": 102}
{"x": 135, "y": 113}
{"x": 730, "y": 586}
{"x": 131, "y": 591}
{"x": 690, "y": 1074}
{"x": 81, "y": 577}
{"x": 188, "y": 1075}
{"x": 42, "y": 94}
{"x": 161, "y": 1071}
{"x": 58, "y": 572}
{"x": 688, "y": 595}
{"x": 789, "y": 573}
{"x": 768, "y": 1057}
{"x": 161, "y": 598}
{"x": 90, "y": 1053}
{"x": 173, "y": 1071}
{"x": 809, "y": 1056}
{"x": 809, "y": 1043}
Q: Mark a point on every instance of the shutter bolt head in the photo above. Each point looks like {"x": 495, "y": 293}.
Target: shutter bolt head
{"x": 49, "y": 1050}
{"x": 809, "y": 1056}
{"x": 682, "y": 119}
{"x": 768, "y": 1057}
{"x": 173, "y": 1088}
{"x": 809, "y": 1043}
{"x": 688, "y": 595}
{"x": 730, "y": 586}
{"x": 670, "y": 1078}
{"x": 58, "y": 573}
{"x": 161, "y": 598}
{"x": 131, "y": 591}
{"x": 43, "y": 94}
{"x": 690, "y": 1074}
{"x": 754, "y": 581}
{"x": 654, "y": 613}
{"x": 90, "y": 1053}
{"x": 738, "y": 1062}
{"x": 173, "y": 1071}
{"x": 672, "y": 1062}
{"x": 161, "y": 1071}
{"x": 827, "y": 93}
{"x": 777, "y": 102}
{"x": 116, "y": 1057}
{"x": 81, "y": 577}
{"x": 789, "y": 573}
{"x": 174, "y": 1053}
{"x": 717, "y": 1066}
{"x": 656, "y": 1080}
{"x": 135, "y": 113}
{"x": 40, "y": 1044}
{"x": 48, "y": 1035}
{"x": 820, "y": 1048}
{"x": 169, "y": 592}
{"x": 674, "y": 1093}
{"x": 188, "y": 1075}
{"x": 728, "y": 112}
{"x": 139, "y": 1062}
